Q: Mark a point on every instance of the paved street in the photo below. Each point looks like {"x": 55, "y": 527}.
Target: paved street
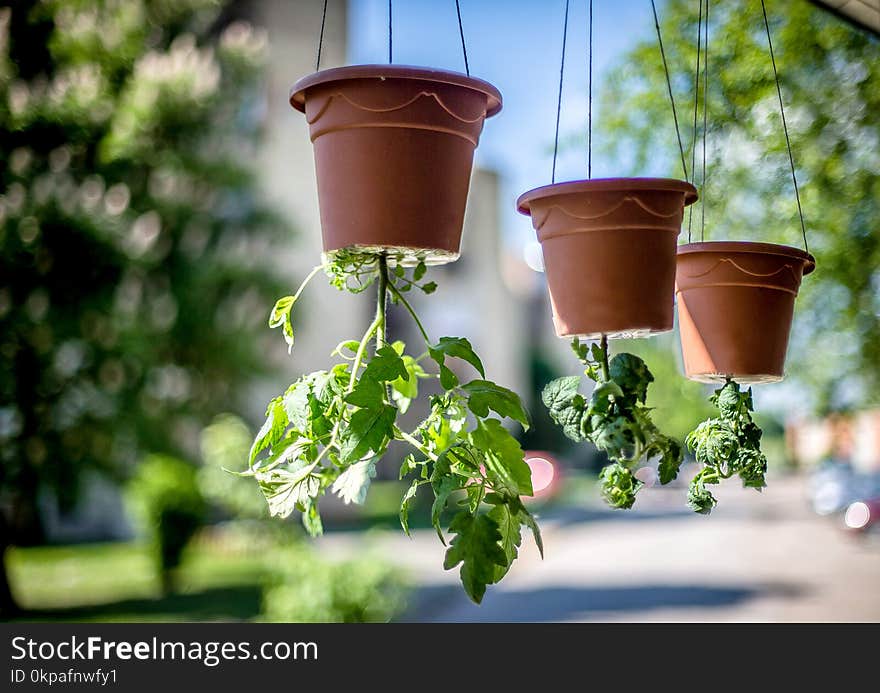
{"x": 757, "y": 558}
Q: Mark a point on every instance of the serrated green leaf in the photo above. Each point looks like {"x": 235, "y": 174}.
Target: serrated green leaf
{"x": 352, "y": 485}
{"x": 503, "y": 457}
{"x": 476, "y": 547}
{"x": 296, "y": 405}
{"x": 484, "y": 395}
{"x": 280, "y": 317}
{"x": 311, "y": 519}
{"x": 285, "y": 489}
{"x": 565, "y": 405}
{"x": 385, "y": 366}
{"x": 508, "y": 522}
{"x": 405, "y": 390}
{"x": 367, "y": 394}
{"x": 458, "y": 347}
{"x": 368, "y": 429}
{"x": 271, "y": 431}
{"x": 405, "y": 503}
{"x": 530, "y": 522}
{"x": 443, "y": 488}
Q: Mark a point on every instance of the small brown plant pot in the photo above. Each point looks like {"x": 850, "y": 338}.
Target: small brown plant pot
{"x": 609, "y": 252}
{"x": 394, "y": 148}
{"x": 735, "y": 307}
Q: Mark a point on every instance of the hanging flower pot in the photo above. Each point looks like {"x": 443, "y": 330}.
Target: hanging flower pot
{"x": 609, "y": 252}
{"x": 394, "y": 149}
{"x": 735, "y": 307}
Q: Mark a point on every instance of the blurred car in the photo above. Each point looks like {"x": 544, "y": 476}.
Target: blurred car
{"x": 835, "y": 485}
{"x": 863, "y": 516}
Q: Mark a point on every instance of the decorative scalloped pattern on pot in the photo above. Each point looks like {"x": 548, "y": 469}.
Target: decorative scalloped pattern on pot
{"x": 609, "y": 253}
{"x": 735, "y": 308}
{"x": 394, "y": 149}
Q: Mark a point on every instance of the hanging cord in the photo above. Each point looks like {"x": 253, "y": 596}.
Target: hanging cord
{"x": 321, "y": 37}
{"x": 590, "y": 95}
{"x": 785, "y": 128}
{"x": 559, "y": 100}
{"x": 703, "y": 187}
{"x": 696, "y": 103}
{"x": 669, "y": 87}
{"x": 390, "y": 36}
{"x": 467, "y": 69}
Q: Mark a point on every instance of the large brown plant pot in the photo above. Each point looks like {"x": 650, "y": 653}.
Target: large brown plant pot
{"x": 394, "y": 147}
{"x": 609, "y": 252}
{"x": 735, "y": 307}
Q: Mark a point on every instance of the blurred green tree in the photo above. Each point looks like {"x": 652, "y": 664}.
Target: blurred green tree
{"x": 134, "y": 244}
{"x": 830, "y": 79}
{"x": 165, "y": 497}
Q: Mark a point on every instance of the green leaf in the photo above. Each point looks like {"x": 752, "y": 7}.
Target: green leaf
{"x": 368, "y": 429}
{"x": 280, "y": 317}
{"x": 458, "y": 347}
{"x": 296, "y": 405}
{"x": 352, "y": 485}
{"x": 508, "y": 522}
{"x": 632, "y": 374}
{"x": 429, "y": 287}
{"x": 484, "y": 395}
{"x": 442, "y": 490}
{"x": 405, "y": 390}
{"x": 530, "y": 522}
{"x": 671, "y": 458}
{"x": 271, "y": 431}
{"x": 311, "y": 519}
{"x": 565, "y": 405}
{"x": 285, "y": 489}
{"x": 386, "y": 365}
{"x": 367, "y": 394}
{"x": 504, "y": 458}
{"x": 419, "y": 271}
{"x": 405, "y": 503}
{"x": 476, "y": 546}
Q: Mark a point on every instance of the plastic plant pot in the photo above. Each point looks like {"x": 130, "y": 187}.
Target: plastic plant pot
{"x": 609, "y": 252}
{"x": 394, "y": 148}
{"x": 735, "y": 307}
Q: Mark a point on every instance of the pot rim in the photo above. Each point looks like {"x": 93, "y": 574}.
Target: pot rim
{"x": 523, "y": 202}
{"x": 412, "y": 72}
{"x": 750, "y": 247}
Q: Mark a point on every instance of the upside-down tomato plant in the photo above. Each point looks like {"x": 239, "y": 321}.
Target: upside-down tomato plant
{"x": 330, "y": 429}
{"x": 614, "y": 418}
{"x": 726, "y": 446}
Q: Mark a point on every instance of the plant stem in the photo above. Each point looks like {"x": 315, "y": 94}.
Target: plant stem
{"x": 305, "y": 281}
{"x": 412, "y": 312}
{"x": 603, "y": 345}
{"x": 415, "y": 443}
{"x": 359, "y": 356}
{"x": 382, "y": 301}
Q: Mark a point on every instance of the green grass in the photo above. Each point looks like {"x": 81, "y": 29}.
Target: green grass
{"x": 116, "y": 582}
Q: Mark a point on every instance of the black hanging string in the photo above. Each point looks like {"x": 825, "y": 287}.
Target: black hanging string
{"x": 703, "y": 187}
{"x": 467, "y": 69}
{"x": 559, "y": 100}
{"x": 669, "y": 88}
{"x": 696, "y": 104}
{"x": 590, "y": 96}
{"x": 390, "y": 35}
{"x": 785, "y": 128}
{"x": 321, "y": 37}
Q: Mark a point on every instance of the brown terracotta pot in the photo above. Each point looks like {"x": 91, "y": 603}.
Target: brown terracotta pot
{"x": 609, "y": 252}
{"x": 735, "y": 306}
{"x": 394, "y": 147}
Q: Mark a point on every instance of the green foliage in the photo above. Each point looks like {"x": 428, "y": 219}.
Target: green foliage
{"x": 331, "y": 429}
{"x": 615, "y": 419}
{"x": 165, "y": 496}
{"x": 726, "y": 446}
{"x": 829, "y": 73}
{"x": 134, "y": 246}
{"x": 306, "y": 589}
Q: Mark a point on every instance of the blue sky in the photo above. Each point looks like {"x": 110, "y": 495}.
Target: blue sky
{"x": 516, "y": 45}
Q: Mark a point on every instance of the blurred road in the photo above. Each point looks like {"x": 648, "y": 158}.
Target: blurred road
{"x": 757, "y": 558}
